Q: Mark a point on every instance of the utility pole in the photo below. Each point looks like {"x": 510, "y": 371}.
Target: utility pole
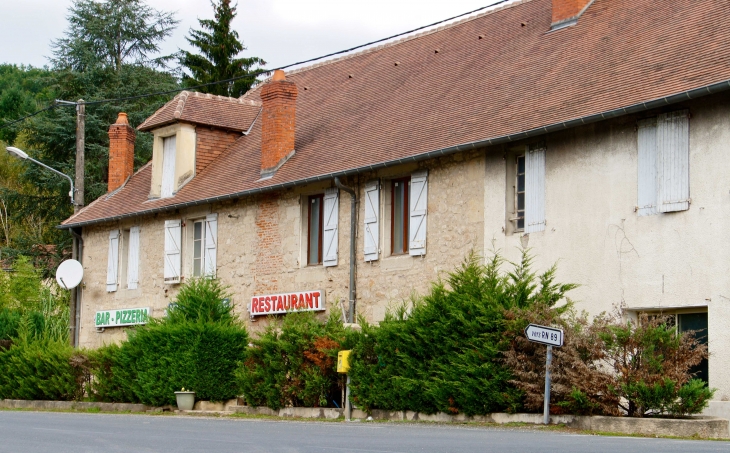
{"x": 75, "y": 300}
{"x": 80, "y": 141}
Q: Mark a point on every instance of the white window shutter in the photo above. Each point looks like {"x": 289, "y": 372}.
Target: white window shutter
{"x": 112, "y": 262}
{"x": 673, "y": 161}
{"x": 372, "y": 224}
{"x": 173, "y": 236}
{"x": 211, "y": 243}
{"x": 535, "y": 189}
{"x": 133, "y": 258}
{"x": 168, "y": 166}
{"x": 331, "y": 218}
{"x": 647, "y": 176}
{"x": 418, "y": 208}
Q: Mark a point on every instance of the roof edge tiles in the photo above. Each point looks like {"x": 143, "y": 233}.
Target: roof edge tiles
{"x": 588, "y": 119}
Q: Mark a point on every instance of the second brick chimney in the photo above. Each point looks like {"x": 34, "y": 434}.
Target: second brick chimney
{"x": 121, "y": 152}
{"x": 565, "y": 12}
{"x": 278, "y": 122}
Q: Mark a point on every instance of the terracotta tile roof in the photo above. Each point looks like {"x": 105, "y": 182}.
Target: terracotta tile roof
{"x": 519, "y": 79}
{"x": 200, "y": 108}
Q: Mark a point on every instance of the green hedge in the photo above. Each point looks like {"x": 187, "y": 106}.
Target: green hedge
{"x": 293, "y": 363}
{"x": 42, "y": 370}
{"x": 158, "y": 360}
{"x": 442, "y": 353}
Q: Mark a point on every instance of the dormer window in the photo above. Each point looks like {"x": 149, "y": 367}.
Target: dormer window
{"x": 173, "y": 159}
{"x": 168, "y": 167}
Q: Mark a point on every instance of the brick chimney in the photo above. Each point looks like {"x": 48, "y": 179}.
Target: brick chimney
{"x": 278, "y": 122}
{"x": 121, "y": 152}
{"x": 566, "y": 12}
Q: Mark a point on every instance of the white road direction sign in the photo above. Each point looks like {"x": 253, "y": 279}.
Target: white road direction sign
{"x": 545, "y": 335}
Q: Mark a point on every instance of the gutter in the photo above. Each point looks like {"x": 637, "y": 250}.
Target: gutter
{"x": 353, "y": 233}
{"x": 635, "y": 108}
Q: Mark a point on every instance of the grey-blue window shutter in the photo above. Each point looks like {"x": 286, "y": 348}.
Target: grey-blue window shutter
{"x": 535, "y": 188}
{"x": 112, "y": 265}
{"x": 647, "y": 174}
{"x": 673, "y": 161}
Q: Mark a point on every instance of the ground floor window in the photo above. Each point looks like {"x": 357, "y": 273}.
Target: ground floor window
{"x": 696, "y": 322}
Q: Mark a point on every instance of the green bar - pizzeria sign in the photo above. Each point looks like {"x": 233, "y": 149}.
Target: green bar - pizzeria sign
{"x": 122, "y": 317}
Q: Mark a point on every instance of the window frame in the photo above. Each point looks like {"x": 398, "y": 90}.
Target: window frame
{"x": 517, "y": 218}
{"x": 406, "y": 215}
{"x": 320, "y": 233}
{"x": 201, "y": 258}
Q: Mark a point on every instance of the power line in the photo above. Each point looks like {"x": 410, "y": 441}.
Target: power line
{"x": 50, "y": 107}
{"x": 265, "y": 71}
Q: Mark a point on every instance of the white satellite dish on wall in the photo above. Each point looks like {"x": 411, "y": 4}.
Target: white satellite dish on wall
{"x": 69, "y": 274}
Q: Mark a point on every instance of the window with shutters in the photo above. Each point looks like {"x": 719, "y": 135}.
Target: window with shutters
{"x": 406, "y": 206}
{"x": 129, "y": 258}
{"x": 315, "y": 230}
{"x": 112, "y": 267}
{"x": 526, "y": 189}
{"x": 201, "y": 244}
{"x": 663, "y": 168}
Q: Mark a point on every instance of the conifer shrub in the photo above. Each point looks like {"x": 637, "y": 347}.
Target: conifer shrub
{"x": 609, "y": 366}
{"x": 443, "y": 352}
{"x": 42, "y": 370}
{"x": 292, "y": 363}
{"x": 109, "y": 381}
{"x": 198, "y": 346}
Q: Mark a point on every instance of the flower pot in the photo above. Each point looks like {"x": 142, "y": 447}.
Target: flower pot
{"x": 185, "y": 400}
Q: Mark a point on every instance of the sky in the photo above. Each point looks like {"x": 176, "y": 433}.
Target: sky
{"x": 279, "y": 31}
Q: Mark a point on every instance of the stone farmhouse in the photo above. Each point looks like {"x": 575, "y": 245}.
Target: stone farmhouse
{"x": 594, "y": 132}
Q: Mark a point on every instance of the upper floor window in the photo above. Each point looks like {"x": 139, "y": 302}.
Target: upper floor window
{"x": 400, "y": 218}
{"x": 520, "y": 193}
{"x": 168, "y": 167}
{"x": 198, "y": 247}
{"x": 526, "y": 187}
{"x": 198, "y": 252}
{"x": 314, "y": 229}
{"x": 663, "y": 170}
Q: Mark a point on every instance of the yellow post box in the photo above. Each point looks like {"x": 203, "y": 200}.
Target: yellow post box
{"x": 343, "y": 361}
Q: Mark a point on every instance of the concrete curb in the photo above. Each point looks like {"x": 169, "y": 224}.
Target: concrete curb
{"x": 71, "y": 405}
{"x": 706, "y": 427}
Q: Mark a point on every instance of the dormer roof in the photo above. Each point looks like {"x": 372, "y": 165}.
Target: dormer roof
{"x": 235, "y": 114}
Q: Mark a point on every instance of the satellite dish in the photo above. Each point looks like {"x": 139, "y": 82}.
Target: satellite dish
{"x": 69, "y": 274}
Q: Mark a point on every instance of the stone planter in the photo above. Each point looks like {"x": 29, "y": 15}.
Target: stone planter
{"x": 185, "y": 400}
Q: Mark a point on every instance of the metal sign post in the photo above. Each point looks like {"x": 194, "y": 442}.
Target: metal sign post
{"x": 551, "y": 337}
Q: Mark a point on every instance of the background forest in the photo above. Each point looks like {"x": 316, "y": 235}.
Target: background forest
{"x": 90, "y": 63}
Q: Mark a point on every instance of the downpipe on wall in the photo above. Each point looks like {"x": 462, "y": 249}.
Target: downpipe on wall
{"x": 353, "y": 231}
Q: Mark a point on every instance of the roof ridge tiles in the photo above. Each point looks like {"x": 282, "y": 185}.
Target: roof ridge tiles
{"x": 182, "y": 97}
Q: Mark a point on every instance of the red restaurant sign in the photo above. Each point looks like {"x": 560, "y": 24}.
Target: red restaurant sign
{"x": 284, "y": 303}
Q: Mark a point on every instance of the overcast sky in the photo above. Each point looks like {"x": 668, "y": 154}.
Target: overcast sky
{"x": 279, "y": 31}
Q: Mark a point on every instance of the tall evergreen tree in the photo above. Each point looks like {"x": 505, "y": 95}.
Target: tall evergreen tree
{"x": 219, "y": 47}
{"x": 109, "y": 51}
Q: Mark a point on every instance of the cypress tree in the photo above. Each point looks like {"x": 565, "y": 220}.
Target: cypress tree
{"x": 218, "y": 46}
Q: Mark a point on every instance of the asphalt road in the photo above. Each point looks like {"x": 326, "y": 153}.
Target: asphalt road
{"x": 32, "y": 432}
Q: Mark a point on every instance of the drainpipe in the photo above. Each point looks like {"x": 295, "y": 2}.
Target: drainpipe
{"x": 353, "y": 230}
{"x": 77, "y": 251}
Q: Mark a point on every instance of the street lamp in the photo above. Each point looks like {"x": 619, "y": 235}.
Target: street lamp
{"x": 20, "y": 154}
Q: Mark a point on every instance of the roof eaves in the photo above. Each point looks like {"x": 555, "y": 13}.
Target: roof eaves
{"x": 635, "y": 108}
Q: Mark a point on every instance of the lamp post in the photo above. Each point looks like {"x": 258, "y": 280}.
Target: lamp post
{"x": 22, "y": 155}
